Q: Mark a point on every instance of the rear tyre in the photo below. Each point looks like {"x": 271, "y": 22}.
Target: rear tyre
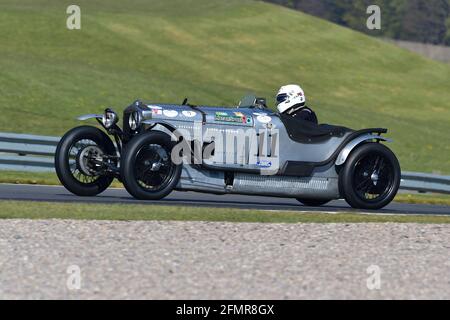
{"x": 313, "y": 202}
{"x": 147, "y": 170}
{"x": 371, "y": 177}
{"x": 76, "y": 160}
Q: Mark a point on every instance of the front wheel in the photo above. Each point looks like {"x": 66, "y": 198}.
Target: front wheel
{"x": 371, "y": 177}
{"x": 80, "y": 161}
{"x": 147, "y": 170}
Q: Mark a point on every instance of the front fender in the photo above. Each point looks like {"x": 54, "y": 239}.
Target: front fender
{"x": 89, "y": 116}
{"x": 165, "y": 124}
{"x": 352, "y": 145}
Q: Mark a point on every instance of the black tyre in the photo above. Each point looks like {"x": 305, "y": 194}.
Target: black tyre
{"x": 313, "y": 202}
{"x": 76, "y": 160}
{"x": 371, "y": 177}
{"x": 147, "y": 170}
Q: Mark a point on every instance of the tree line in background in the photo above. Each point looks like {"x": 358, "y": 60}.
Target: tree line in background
{"x": 426, "y": 21}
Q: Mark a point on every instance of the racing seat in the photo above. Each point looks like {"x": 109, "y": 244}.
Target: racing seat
{"x": 308, "y": 132}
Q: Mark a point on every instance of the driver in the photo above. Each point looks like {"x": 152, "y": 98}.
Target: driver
{"x": 291, "y": 101}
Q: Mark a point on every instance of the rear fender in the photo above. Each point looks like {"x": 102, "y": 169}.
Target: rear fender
{"x": 343, "y": 155}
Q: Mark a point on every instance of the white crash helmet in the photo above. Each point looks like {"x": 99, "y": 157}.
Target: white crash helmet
{"x": 289, "y": 96}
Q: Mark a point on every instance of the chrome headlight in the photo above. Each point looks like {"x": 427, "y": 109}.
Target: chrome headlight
{"x": 134, "y": 120}
{"x": 109, "y": 118}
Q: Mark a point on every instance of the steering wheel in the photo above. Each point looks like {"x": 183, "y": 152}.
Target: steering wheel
{"x": 261, "y": 103}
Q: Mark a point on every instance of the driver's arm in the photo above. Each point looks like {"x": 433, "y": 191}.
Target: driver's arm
{"x": 307, "y": 114}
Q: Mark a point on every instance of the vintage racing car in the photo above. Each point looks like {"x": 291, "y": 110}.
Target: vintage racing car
{"x": 246, "y": 149}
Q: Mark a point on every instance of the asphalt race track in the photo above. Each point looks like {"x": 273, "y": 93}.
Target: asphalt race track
{"x": 60, "y": 194}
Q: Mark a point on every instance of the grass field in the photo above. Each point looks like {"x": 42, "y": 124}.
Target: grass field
{"x": 213, "y": 52}
{"x": 43, "y": 210}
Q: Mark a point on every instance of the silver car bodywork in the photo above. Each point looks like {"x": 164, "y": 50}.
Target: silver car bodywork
{"x": 303, "y": 170}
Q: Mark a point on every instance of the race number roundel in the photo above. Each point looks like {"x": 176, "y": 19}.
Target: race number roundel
{"x": 264, "y": 119}
{"x": 189, "y": 114}
{"x": 170, "y": 113}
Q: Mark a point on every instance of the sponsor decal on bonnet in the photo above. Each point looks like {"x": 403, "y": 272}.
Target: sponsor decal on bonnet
{"x": 264, "y": 163}
{"x": 235, "y": 117}
{"x": 156, "y": 109}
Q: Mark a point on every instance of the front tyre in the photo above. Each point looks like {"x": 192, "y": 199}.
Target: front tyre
{"x": 78, "y": 160}
{"x": 147, "y": 170}
{"x": 371, "y": 177}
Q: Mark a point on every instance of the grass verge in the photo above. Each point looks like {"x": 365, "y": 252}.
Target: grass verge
{"x": 46, "y": 210}
{"x": 19, "y": 177}
{"x": 44, "y": 178}
{"x": 433, "y": 198}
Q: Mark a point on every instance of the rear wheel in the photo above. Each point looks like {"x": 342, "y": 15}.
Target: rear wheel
{"x": 147, "y": 170}
{"x": 371, "y": 177}
{"x": 80, "y": 161}
{"x": 313, "y": 202}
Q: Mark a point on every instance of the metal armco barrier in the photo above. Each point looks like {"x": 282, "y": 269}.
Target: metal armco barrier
{"x": 425, "y": 182}
{"x": 24, "y": 152}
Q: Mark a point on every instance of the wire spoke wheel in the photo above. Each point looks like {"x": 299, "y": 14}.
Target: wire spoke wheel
{"x": 153, "y": 167}
{"x": 82, "y": 160}
{"x": 146, "y": 166}
{"x": 84, "y": 156}
{"x": 371, "y": 177}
